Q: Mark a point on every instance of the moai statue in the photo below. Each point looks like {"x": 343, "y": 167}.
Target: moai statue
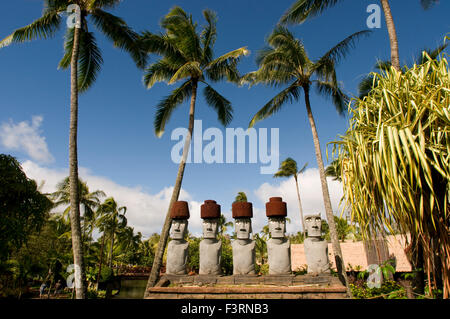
{"x": 177, "y": 251}
{"x": 278, "y": 246}
{"x": 316, "y": 249}
{"x": 243, "y": 246}
{"x": 210, "y": 247}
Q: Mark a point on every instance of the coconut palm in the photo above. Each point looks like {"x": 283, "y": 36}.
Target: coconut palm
{"x": 285, "y": 62}
{"x": 187, "y": 56}
{"x": 112, "y": 219}
{"x": 301, "y": 10}
{"x": 288, "y": 168}
{"x": 89, "y": 200}
{"x": 241, "y": 197}
{"x": 84, "y": 58}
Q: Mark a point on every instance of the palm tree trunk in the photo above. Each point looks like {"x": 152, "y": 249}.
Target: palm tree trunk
{"x": 77, "y": 245}
{"x": 157, "y": 262}
{"x": 101, "y": 261}
{"x": 340, "y": 265}
{"x": 111, "y": 250}
{"x": 300, "y": 203}
{"x": 395, "y": 57}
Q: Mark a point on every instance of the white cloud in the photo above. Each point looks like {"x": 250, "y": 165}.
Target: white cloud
{"x": 145, "y": 212}
{"x": 26, "y": 137}
{"x": 310, "y": 195}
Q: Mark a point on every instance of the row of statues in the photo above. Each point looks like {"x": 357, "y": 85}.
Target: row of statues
{"x": 278, "y": 246}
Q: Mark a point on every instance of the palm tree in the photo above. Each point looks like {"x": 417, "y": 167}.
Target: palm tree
{"x": 241, "y": 197}
{"x": 301, "y": 10}
{"x": 187, "y": 56}
{"x": 84, "y": 58}
{"x": 89, "y": 200}
{"x": 285, "y": 62}
{"x": 288, "y": 168}
{"x": 112, "y": 219}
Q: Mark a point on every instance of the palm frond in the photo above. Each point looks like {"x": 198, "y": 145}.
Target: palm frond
{"x": 160, "y": 71}
{"x": 168, "y": 104}
{"x": 162, "y": 45}
{"x": 209, "y": 35}
{"x": 220, "y": 104}
{"x": 182, "y": 31}
{"x": 42, "y": 28}
{"x": 332, "y": 90}
{"x": 120, "y": 34}
{"x": 189, "y": 70}
{"x": 427, "y": 4}
{"x": 340, "y": 50}
{"x": 89, "y": 61}
{"x": 290, "y": 94}
{"x": 304, "y": 9}
{"x": 102, "y": 4}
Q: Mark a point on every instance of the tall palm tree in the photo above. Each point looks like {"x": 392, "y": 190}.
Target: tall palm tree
{"x": 301, "y": 10}
{"x": 84, "y": 58}
{"x": 285, "y": 62}
{"x": 112, "y": 219}
{"x": 187, "y": 56}
{"x": 288, "y": 168}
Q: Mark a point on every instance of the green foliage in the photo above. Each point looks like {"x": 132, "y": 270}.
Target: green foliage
{"x": 227, "y": 257}
{"x": 194, "y": 254}
{"x": 241, "y": 197}
{"x": 262, "y": 269}
{"x": 107, "y": 274}
{"x": 388, "y": 290}
{"x": 395, "y": 158}
{"x": 23, "y": 209}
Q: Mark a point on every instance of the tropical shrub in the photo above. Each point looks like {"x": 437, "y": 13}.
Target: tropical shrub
{"x": 395, "y": 159}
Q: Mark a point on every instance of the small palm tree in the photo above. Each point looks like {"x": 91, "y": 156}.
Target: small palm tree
{"x": 187, "y": 56}
{"x": 89, "y": 200}
{"x": 288, "y": 168}
{"x": 302, "y": 10}
{"x": 84, "y": 58}
{"x": 112, "y": 219}
{"x": 285, "y": 62}
{"x": 241, "y": 197}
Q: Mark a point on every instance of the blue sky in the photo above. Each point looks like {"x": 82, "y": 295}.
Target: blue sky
{"x": 117, "y": 144}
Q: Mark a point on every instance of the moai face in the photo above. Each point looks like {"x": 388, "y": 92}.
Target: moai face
{"x": 277, "y": 227}
{"x": 313, "y": 225}
{"x": 178, "y": 228}
{"x": 243, "y": 228}
{"x": 210, "y": 227}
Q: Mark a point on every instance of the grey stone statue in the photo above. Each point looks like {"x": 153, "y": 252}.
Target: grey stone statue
{"x": 243, "y": 248}
{"x": 210, "y": 246}
{"x": 316, "y": 249}
{"x": 177, "y": 250}
{"x": 278, "y": 247}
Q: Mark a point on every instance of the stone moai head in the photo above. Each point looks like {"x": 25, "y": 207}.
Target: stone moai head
{"x": 242, "y": 213}
{"x": 180, "y": 216}
{"x": 313, "y": 225}
{"x": 276, "y": 211}
{"x": 210, "y": 213}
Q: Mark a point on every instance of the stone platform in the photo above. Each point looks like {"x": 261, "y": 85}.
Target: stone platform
{"x": 248, "y": 287}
